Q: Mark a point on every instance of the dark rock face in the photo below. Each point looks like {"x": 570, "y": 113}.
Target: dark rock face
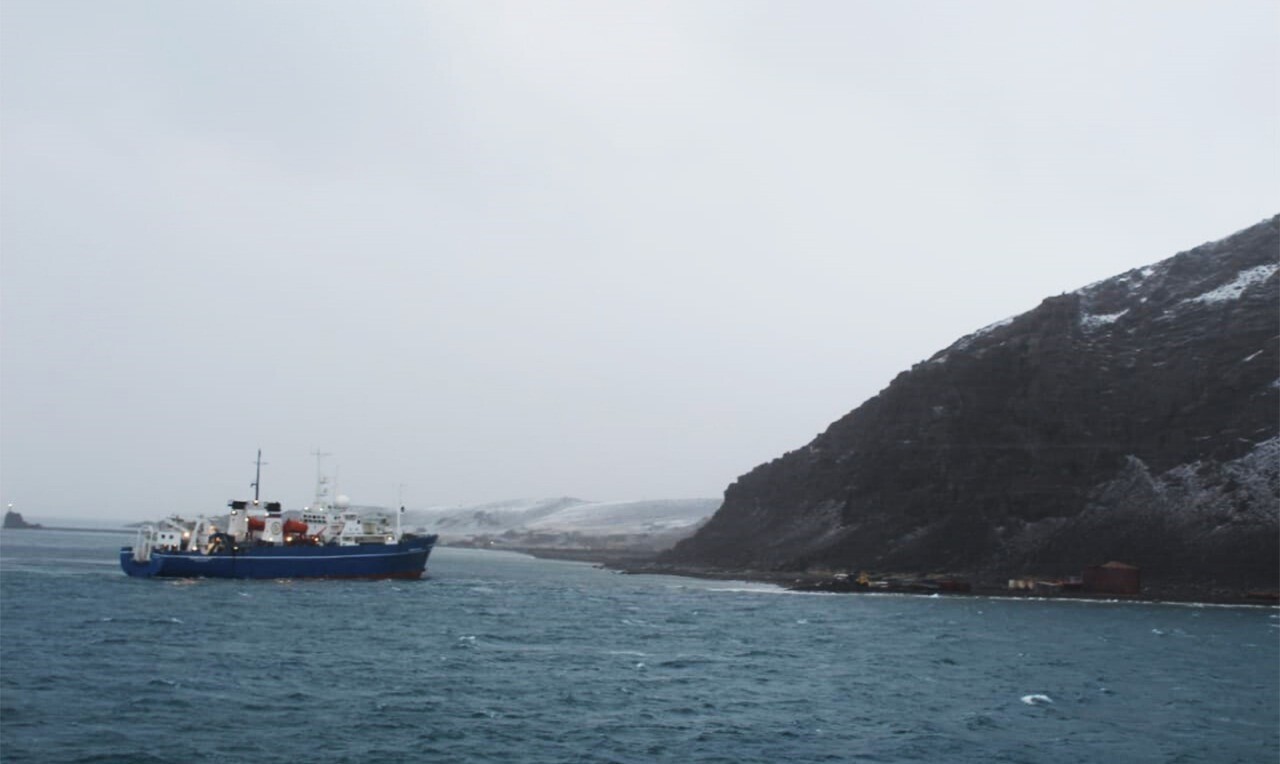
{"x": 1135, "y": 419}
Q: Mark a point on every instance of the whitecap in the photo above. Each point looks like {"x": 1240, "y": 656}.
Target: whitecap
{"x": 1036, "y": 699}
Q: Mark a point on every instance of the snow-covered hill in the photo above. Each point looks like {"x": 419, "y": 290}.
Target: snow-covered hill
{"x": 567, "y": 522}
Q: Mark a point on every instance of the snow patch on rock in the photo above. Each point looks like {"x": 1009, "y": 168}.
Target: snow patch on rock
{"x": 1090, "y": 322}
{"x": 1234, "y": 289}
{"x": 1241, "y": 492}
{"x": 968, "y": 339}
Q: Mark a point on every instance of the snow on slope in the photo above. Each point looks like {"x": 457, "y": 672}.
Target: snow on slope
{"x": 564, "y": 516}
{"x": 629, "y": 517}
{"x": 1234, "y": 289}
{"x": 1184, "y": 281}
{"x": 487, "y": 519}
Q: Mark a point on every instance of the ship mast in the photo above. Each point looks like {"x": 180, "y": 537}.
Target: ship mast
{"x": 257, "y": 476}
{"x": 400, "y": 515}
{"x": 321, "y": 487}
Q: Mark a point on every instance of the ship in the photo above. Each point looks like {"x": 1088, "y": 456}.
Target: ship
{"x": 256, "y": 539}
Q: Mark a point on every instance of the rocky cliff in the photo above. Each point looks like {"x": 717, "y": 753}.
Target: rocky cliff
{"x": 1134, "y": 419}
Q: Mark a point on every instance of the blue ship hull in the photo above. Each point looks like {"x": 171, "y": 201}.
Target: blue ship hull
{"x": 406, "y": 559}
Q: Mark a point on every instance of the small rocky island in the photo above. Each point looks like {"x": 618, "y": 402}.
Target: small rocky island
{"x": 13, "y": 520}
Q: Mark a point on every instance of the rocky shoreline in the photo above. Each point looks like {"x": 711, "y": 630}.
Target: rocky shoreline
{"x": 1156, "y": 592}
{"x": 991, "y": 585}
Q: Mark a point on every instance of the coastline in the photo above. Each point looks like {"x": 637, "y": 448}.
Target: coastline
{"x": 72, "y": 530}
{"x": 634, "y": 562}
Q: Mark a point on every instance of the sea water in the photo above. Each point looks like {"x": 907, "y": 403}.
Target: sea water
{"x": 498, "y": 657}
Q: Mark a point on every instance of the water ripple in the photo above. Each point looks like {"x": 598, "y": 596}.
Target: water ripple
{"x": 501, "y": 658}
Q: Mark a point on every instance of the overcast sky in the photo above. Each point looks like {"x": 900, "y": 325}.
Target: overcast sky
{"x": 613, "y": 250}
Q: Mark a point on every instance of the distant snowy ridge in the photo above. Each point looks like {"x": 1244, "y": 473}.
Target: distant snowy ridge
{"x": 566, "y": 521}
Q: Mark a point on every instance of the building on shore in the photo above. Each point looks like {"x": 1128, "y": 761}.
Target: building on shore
{"x": 1113, "y": 578}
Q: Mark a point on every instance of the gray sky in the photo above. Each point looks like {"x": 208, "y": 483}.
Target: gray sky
{"x": 611, "y": 250}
